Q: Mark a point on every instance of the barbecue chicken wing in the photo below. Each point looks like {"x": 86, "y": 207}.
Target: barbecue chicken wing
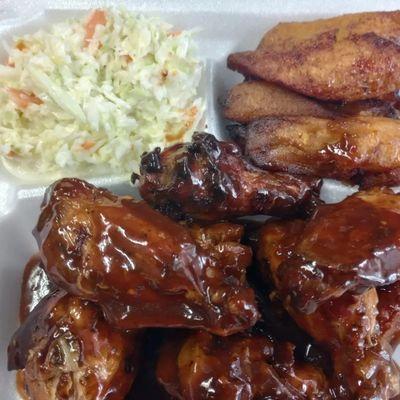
{"x": 144, "y": 269}
{"x": 360, "y": 150}
{"x": 347, "y": 246}
{"x": 347, "y": 58}
{"x": 67, "y": 351}
{"x": 35, "y": 286}
{"x": 202, "y": 366}
{"x": 299, "y": 256}
{"x": 210, "y": 180}
{"x": 252, "y": 100}
{"x": 389, "y": 312}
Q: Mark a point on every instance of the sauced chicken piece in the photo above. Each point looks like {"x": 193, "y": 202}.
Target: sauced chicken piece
{"x": 252, "y": 100}
{"x": 389, "y": 313}
{"x": 67, "y": 351}
{"x": 201, "y": 366}
{"x": 347, "y": 246}
{"x": 144, "y": 269}
{"x": 361, "y": 150}
{"x": 348, "y": 58}
{"x": 35, "y": 286}
{"x": 346, "y": 326}
{"x": 210, "y": 180}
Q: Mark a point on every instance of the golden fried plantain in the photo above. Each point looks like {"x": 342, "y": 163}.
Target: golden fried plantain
{"x": 347, "y": 58}
{"x": 251, "y": 100}
{"x": 362, "y": 150}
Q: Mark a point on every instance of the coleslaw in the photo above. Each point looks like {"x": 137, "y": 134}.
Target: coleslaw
{"x": 91, "y": 95}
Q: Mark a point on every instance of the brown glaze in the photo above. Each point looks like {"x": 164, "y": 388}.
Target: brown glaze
{"x": 347, "y": 58}
{"x": 67, "y": 350}
{"x": 361, "y": 150}
{"x": 144, "y": 269}
{"x": 35, "y": 286}
{"x": 210, "y": 180}
{"x": 389, "y": 313}
{"x": 359, "y": 252}
{"x": 346, "y": 246}
{"x": 201, "y": 366}
{"x": 348, "y": 327}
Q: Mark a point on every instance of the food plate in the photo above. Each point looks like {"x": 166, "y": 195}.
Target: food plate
{"x": 225, "y": 27}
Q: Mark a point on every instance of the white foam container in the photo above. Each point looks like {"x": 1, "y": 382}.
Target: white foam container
{"x": 227, "y": 26}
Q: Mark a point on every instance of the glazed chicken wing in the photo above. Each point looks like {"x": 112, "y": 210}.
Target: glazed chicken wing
{"x": 362, "y": 150}
{"x": 144, "y": 269}
{"x": 348, "y": 58}
{"x": 67, "y": 351}
{"x": 35, "y": 286}
{"x": 201, "y": 366}
{"x": 346, "y": 324}
{"x": 252, "y": 100}
{"x": 389, "y": 312}
{"x": 347, "y": 246}
{"x": 210, "y": 180}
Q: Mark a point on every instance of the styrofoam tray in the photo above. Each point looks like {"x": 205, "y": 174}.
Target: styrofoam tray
{"x": 226, "y": 26}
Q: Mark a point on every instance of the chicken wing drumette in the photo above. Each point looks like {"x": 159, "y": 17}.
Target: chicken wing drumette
{"x": 210, "y": 180}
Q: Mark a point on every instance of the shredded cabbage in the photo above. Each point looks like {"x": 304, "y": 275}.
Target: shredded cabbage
{"x": 70, "y": 102}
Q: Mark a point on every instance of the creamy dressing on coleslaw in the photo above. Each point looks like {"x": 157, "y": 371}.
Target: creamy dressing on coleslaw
{"x": 94, "y": 94}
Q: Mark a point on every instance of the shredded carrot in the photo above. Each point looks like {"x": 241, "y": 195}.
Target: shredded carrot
{"x": 127, "y": 58}
{"x": 174, "y": 33}
{"x": 21, "y": 46}
{"x": 11, "y": 153}
{"x": 22, "y": 98}
{"x": 88, "y": 144}
{"x": 191, "y": 112}
{"x": 97, "y": 17}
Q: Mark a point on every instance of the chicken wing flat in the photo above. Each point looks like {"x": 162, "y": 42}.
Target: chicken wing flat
{"x": 347, "y": 58}
{"x": 362, "y": 150}
{"x": 144, "y": 269}
{"x": 252, "y": 100}
{"x": 347, "y": 246}
{"x": 201, "y": 366}
{"x": 210, "y": 180}
{"x": 347, "y": 326}
{"x": 67, "y": 351}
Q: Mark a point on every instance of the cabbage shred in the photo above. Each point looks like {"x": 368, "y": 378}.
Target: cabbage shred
{"x": 72, "y": 104}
